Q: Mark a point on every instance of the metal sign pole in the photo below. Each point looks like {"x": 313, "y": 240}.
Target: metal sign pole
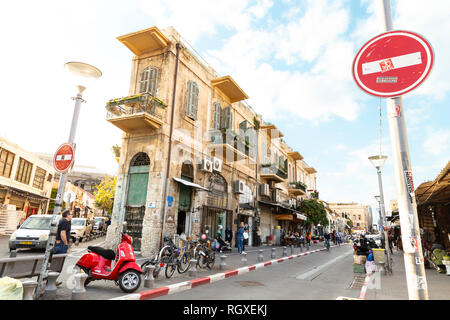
{"x": 411, "y": 240}
{"x": 58, "y": 203}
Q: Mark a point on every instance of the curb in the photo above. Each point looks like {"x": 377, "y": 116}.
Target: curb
{"x": 186, "y": 285}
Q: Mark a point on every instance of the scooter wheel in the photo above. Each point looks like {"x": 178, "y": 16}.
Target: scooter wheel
{"x": 129, "y": 281}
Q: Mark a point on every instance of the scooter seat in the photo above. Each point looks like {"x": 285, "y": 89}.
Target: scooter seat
{"x": 105, "y": 253}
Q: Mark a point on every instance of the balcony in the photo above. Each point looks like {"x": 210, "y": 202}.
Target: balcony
{"x": 227, "y": 144}
{"x": 273, "y": 172}
{"x": 138, "y": 112}
{"x": 144, "y": 40}
{"x": 297, "y": 188}
{"x": 229, "y": 88}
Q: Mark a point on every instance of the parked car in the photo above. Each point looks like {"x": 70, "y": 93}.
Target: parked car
{"x": 375, "y": 237}
{"x": 81, "y": 227}
{"x": 33, "y": 233}
{"x": 99, "y": 224}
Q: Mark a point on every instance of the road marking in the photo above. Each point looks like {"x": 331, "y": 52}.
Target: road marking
{"x": 316, "y": 269}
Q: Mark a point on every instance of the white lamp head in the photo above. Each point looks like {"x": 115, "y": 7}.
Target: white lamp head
{"x": 378, "y": 198}
{"x": 82, "y": 73}
{"x": 378, "y": 161}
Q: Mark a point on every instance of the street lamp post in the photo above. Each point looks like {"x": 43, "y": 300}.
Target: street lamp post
{"x": 80, "y": 72}
{"x": 378, "y": 162}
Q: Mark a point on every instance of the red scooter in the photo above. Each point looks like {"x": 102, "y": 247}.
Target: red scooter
{"x": 105, "y": 264}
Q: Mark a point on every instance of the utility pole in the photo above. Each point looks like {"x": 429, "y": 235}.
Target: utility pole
{"x": 413, "y": 256}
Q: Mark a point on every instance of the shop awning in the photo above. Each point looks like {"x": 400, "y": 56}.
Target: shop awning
{"x": 190, "y": 184}
{"x": 288, "y": 217}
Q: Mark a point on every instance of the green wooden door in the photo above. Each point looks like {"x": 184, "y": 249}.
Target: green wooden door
{"x": 137, "y": 186}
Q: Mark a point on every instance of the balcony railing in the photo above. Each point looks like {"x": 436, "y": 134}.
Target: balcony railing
{"x": 297, "y": 185}
{"x": 228, "y": 145}
{"x": 136, "y": 112}
{"x": 272, "y": 170}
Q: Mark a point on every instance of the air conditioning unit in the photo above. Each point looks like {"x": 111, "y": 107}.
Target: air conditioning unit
{"x": 217, "y": 164}
{"x": 238, "y": 187}
{"x": 206, "y": 165}
{"x": 293, "y": 203}
{"x": 264, "y": 189}
{"x": 276, "y": 197}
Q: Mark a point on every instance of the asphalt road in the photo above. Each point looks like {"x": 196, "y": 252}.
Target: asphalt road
{"x": 320, "y": 276}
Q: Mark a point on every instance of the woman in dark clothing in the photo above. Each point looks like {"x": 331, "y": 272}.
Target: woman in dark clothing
{"x": 228, "y": 235}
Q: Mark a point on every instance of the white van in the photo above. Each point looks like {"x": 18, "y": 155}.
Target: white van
{"x": 33, "y": 233}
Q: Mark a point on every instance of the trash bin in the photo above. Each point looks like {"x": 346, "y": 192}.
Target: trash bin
{"x": 378, "y": 256}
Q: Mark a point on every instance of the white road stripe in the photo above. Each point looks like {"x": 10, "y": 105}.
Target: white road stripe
{"x": 402, "y": 61}
{"x": 317, "y": 269}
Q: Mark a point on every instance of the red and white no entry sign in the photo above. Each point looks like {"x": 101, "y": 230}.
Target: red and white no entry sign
{"x": 64, "y": 158}
{"x": 392, "y": 63}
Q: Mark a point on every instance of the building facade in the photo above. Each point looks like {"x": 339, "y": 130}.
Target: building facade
{"x": 195, "y": 157}
{"x": 359, "y": 214}
{"x": 25, "y": 180}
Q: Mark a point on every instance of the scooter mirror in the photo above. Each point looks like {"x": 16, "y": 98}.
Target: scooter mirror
{"x": 124, "y": 227}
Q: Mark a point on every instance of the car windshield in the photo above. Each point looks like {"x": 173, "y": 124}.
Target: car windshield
{"x": 98, "y": 219}
{"x": 78, "y": 222}
{"x": 37, "y": 223}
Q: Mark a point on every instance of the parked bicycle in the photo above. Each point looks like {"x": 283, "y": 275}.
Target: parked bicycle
{"x": 204, "y": 254}
{"x": 162, "y": 257}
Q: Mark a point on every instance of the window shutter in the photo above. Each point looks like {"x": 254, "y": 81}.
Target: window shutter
{"x": 153, "y": 81}
{"x": 143, "y": 86}
{"x": 227, "y": 118}
{"x": 188, "y": 99}
{"x": 195, "y": 101}
{"x": 216, "y": 117}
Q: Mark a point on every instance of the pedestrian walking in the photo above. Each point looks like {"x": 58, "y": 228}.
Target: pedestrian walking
{"x": 240, "y": 238}
{"x": 391, "y": 241}
{"x": 309, "y": 238}
{"x": 63, "y": 233}
{"x": 228, "y": 235}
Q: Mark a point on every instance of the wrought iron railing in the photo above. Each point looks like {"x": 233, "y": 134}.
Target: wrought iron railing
{"x": 274, "y": 168}
{"x": 141, "y": 103}
{"x": 297, "y": 185}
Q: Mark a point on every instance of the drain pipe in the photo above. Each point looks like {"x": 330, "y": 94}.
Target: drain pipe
{"x": 166, "y": 184}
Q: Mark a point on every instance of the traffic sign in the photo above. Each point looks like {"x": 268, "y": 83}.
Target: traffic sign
{"x": 392, "y": 63}
{"x": 64, "y": 158}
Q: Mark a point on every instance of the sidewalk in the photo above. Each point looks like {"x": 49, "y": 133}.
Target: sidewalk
{"x": 394, "y": 287}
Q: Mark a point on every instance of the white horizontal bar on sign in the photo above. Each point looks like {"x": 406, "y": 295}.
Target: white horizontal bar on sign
{"x": 64, "y": 157}
{"x": 406, "y": 60}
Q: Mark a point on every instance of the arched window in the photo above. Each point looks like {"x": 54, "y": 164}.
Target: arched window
{"x": 218, "y": 196}
{"x": 192, "y": 100}
{"x": 140, "y": 159}
{"x": 149, "y": 80}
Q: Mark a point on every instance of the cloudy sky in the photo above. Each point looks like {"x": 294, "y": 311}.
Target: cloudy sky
{"x": 293, "y": 58}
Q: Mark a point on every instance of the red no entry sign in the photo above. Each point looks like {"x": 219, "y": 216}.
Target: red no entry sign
{"x": 64, "y": 158}
{"x": 393, "y": 63}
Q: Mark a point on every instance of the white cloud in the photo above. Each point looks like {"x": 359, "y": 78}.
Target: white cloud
{"x": 437, "y": 142}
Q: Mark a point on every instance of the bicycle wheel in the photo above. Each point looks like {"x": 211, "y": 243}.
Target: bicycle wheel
{"x": 202, "y": 259}
{"x": 165, "y": 254}
{"x": 184, "y": 263}
{"x": 170, "y": 268}
{"x": 211, "y": 259}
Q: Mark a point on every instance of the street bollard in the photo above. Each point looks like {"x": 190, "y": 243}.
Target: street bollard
{"x": 301, "y": 247}
{"x": 79, "y": 292}
{"x": 273, "y": 254}
{"x": 149, "y": 281}
{"x": 193, "y": 268}
{"x": 244, "y": 258}
{"x": 222, "y": 264}
{"x": 284, "y": 251}
{"x": 292, "y": 249}
{"x": 50, "y": 288}
{"x": 28, "y": 289}
{"x": 260, "y": 256}
{"x": 13, "y": 253}
{"x": 77, "y": 241}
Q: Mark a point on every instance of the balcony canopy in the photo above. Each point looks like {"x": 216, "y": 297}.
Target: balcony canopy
{"x": 310, "y": 170}
{"x": 144, "y": 41}
{"x": 272, "y": 130}
{"x": 229, "y": 88}
{"x": 295, "y": 155}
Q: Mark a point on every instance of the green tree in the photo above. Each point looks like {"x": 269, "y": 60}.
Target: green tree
{"x": 104, "y": 194}
{"x": 349, "y": 223}
{"x": 315, "y": 212}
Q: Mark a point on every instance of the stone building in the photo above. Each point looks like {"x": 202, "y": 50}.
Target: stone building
{"x": 359, "y": 214}
{"x": 25, "y": 180}
{"x": 194, "y": 155}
